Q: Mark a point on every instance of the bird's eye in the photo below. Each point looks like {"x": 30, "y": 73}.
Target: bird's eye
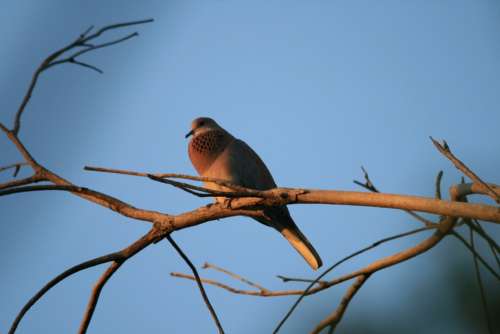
{"x": 201, "y": 123}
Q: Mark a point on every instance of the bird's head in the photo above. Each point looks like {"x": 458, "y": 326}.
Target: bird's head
{"x": 201, "y": 125}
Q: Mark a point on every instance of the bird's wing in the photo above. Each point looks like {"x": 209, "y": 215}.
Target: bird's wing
{"x": 249, "y": 168}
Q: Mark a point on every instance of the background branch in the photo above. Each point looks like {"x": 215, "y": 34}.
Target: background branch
{"x": 82, "y": 41}
{"x": 198, "y": 281}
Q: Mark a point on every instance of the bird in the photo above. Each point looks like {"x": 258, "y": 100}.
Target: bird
{"x": 215, "y": 153}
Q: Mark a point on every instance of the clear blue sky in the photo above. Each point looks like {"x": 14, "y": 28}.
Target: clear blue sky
{"x": 317, "y": 88}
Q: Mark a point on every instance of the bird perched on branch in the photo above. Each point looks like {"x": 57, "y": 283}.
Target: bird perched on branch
{"x": 215, "y": 153}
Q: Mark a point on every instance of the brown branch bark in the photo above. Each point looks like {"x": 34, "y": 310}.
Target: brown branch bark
{"x": 152, "y": 236}
{"x": 73, "y": 270}
{"x": 94, "y": 297}
{"x": 333, "y": 319}
{"x": 486, "y": 188}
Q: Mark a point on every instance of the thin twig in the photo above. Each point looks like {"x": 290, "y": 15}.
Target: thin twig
{"x": 16, "y": 166}
{"x": 94, "y": 297}
{"x": 286, "y": 279}
{"x": 495, "y": 249}
{"x": 445, "y": 150}
{"x": 368, "y": 185}
{"x": 333, "y": 319}
{"x": 476, "y": 254}
{"x": 235, "y": 276}
{"x": 484, "y": 302}
{"x": 158, "y": 176}
{"x": 81, "y": 63}
{"x": 439, "y": 177}
{"x": 198, "y": 281}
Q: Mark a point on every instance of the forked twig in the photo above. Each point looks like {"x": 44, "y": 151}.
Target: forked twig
{"x": 52, "y": 60}
{"x": 445, "y": 150}
{"x": 16, "y": 167}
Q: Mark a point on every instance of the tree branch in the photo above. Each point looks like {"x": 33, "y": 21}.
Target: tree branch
{"x": 16, "y": 167}
{"x": 94, "y": 297}
{"x": 322, "y": 284}
{"x": 235, "y": 276}
{"x": 121, "y": 256}
{"x": 73, "y": 270}
{"x": 333, "y": 319}
{"x": 198, "y": 281}
{"x": 484, "y": 302}
{"x": 82, "y": 41}
{"x": 445, "y": 150}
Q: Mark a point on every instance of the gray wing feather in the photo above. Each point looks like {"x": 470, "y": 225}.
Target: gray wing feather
{"x": 249, "y": 167}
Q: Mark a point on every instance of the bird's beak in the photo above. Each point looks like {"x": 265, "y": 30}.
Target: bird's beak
{"x": 189, "y": 133}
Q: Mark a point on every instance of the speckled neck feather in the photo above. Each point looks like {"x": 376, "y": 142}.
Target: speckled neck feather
{"x": 206, "y": 147}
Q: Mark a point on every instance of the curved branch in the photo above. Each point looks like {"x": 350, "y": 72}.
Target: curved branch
{"x": 118, "y": 257}
{"x": 333, "y": 319}
{"x": 94, "y": 297}
{"x": 73, "y": 270}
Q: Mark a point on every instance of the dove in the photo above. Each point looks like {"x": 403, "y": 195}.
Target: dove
{"x": 215, "y": 153}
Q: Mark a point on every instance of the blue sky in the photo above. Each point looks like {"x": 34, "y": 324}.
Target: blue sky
{"x": 317, "y": 88}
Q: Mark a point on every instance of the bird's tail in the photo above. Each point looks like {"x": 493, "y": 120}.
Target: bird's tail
{"x": 299, "y": 241}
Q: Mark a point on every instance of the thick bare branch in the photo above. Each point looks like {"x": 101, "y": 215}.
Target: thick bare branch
{"x": 286, "y": 196}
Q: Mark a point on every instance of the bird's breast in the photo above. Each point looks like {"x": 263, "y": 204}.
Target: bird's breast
{"x": 204, "y": 149}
